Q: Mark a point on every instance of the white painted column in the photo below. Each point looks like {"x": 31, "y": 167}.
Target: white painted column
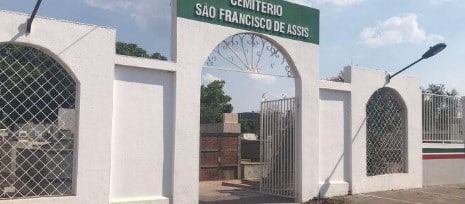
{"x": 463, "y": 118}
{"x": 307, "y": 136}
{"x": 185, "y": 180}
{"x": 186, "y": 146}
{"x": 307, "y": 144}
{"x": 186, "y": 137}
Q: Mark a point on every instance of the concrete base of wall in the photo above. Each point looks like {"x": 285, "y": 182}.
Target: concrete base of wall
{"x": 443, "y": 164}
{"x": 150, "y": 200}
{"x": 443, "y": 171}
{"x": 334, "y": 189}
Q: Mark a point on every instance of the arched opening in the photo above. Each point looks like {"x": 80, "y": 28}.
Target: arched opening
{"x": 256, "y": 146}
{"x": 386, "y": 141}
{"x": 38, "y": 125}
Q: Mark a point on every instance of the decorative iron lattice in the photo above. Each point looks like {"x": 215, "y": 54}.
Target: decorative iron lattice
{"x": 386, "y": 135}
{"x": 442, "y": 119}
{"x": 37, "y": 125}
{"x": 249, "y": 53}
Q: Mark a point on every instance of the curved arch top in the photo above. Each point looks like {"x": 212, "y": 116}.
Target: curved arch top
{"x": 394, "y": 94}
{"x": 50, "y": 54}
{"x": 251, "y": 53}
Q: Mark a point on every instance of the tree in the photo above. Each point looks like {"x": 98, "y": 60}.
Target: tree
{"x": 131, "y": 49}
{"x": 250, "y": 122}
{"x": 249, "y": 126}
{"x": 338, "y": 78}
{"x": 439, "y": 89}
{"x": 33, "y": 86}
{"x": 214, "y": 102}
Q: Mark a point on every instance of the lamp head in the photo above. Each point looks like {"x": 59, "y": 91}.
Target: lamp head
{"x": 434, "y": 50}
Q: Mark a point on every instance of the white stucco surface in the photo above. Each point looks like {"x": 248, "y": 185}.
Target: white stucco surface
{"x": 443, "y": 171}
{"x": 364, "y": 83}
{"x": 142, "y": 135}
{"x": 334, "y": 133}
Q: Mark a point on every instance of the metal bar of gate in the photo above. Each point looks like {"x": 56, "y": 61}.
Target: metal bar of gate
{"x": 287, "y": 168}
{"x": 277, "y": 147}
{"x": 292, "y": 145}
{"x": 287, "y": 176}
{"x": 261, "y": 143}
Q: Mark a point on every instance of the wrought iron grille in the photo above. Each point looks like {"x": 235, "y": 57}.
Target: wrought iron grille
{"x": 442, "y": 119}
{"x": 249, "y": 53}
{"x": 37, "y": 125}
{"x": 386, "y": 135}
{"x": 277, "y": 154}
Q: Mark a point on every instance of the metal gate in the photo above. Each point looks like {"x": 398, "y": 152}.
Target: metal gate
{"x": 443, "y": 120}
{"x": 277, "y": 141}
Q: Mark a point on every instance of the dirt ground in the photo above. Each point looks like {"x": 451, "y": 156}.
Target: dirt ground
{"x": 215, "y": 193}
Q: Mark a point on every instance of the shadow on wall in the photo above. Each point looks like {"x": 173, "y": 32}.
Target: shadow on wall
{"x": 21, "y": 32}
{"x": 346, "y": 156}
{"x": 325, "y": 187}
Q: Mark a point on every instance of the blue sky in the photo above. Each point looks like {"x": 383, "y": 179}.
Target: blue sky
{"x": 377, "y": 34}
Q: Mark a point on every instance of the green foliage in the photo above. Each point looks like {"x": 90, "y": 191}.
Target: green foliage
{"x": 439, "y": 89}
{"x": 249, "y": 126}
{"x": 250, "y": 122}
{"x": 33, "y": 86}
{"x": 338, "y": 78}
{"x": 131, "y": 49}
{"x": 157, "y": 55}
{"x": 437, "y": 109}
{"x": 214, "y": 102}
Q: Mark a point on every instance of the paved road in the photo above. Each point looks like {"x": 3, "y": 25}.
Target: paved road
{"x": 449, "y": 194}
{"x": 214, "y": 193}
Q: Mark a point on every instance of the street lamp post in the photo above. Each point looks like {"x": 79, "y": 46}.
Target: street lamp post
{"x": 33, "y": 15}
{"x": 431, "y": 52}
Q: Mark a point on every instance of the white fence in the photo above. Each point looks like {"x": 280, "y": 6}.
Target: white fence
{"x": 442, "y": 119}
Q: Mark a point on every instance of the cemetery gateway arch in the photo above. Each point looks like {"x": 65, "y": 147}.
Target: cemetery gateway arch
{"x": 198, "y": 36}
{"x": 255, "y": 54}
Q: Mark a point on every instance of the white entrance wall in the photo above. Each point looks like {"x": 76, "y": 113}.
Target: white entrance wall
{"x": 364, "y": 83}
{"x": 343, "y": 133}
{"x": 138, "y": 122}
{"x": 88, "y": 54}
